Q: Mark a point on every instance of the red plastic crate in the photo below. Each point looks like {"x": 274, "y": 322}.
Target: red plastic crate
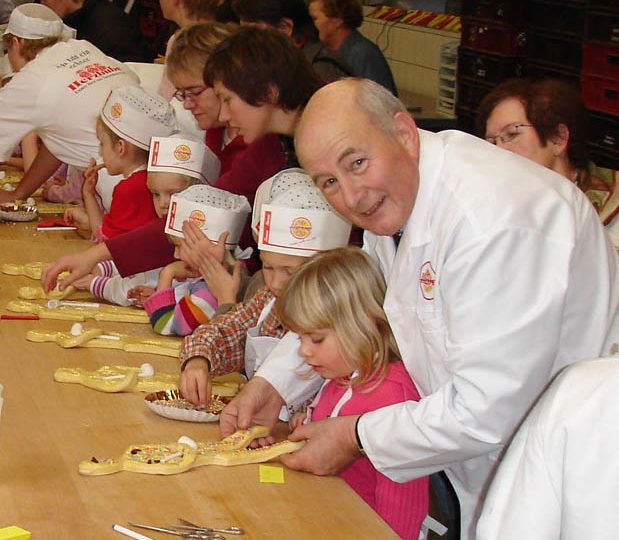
{"x": 493, "y": 37}
{"x": 600, "y": 59}
{"x": 600, "y": 93}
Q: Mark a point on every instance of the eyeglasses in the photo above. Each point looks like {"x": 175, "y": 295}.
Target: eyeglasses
{"x": 508, "y": 133}
{"x": 191, "y": 93}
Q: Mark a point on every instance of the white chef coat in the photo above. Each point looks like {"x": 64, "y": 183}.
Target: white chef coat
{"x": 503, "y": 276}
{"x": 59, "y": 95}
{"x": 560, "y": 475}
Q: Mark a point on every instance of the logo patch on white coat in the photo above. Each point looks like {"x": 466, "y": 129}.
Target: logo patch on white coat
{"x": 427, "y": 280}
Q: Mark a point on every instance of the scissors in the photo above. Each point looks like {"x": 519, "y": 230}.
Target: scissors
{"x": 193, "y": 531}
{"x": 189, "y": 534}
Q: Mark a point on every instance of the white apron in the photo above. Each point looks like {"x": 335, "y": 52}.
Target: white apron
{"x": 258, "y": 347}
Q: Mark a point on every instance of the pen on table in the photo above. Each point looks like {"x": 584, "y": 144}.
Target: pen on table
{"x": 19, "y": 317}
{"x": 130, "y": 533}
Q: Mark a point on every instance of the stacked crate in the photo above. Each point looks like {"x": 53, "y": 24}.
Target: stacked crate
{"x": 600, "y": 80}
{"x": 555, "y": 32}
{"x": 493, "y": 47}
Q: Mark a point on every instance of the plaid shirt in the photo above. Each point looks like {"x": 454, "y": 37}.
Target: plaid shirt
{"x": 222, "y": 341}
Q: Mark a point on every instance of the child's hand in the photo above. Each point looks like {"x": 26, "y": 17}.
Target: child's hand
{"x": 77, "y": 217}
{"x": 222, "y": 285}
{"x": 297, "y": 420}
{"x": 83, "y": 283}
{"x": 195, "y": 383}
{"x": 198, "y": 245}
{"x": 91, "y": 176}
{"x": 140, "y": 294}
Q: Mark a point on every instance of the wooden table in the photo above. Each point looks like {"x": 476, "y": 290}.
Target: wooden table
{"x": 47, "y": 428}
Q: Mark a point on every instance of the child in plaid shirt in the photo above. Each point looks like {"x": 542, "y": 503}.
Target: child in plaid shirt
{"x": 295, "y": 222}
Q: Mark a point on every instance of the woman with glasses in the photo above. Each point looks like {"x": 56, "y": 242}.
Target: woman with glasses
{"x": 546, "y": 121}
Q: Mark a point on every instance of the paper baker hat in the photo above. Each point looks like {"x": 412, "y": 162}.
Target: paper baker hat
{"x": 184, "y": 156}
{"x": 135, "y": 115}
{"x": 296, "y": 219}
{"x": 36, "y": 21}
{"x": 213, "y": 210}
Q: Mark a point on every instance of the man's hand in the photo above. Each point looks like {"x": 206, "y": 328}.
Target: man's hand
{"x": 6, "y": 196}
{"x": 331, "y": 446}
{"x": 257, "y": 403}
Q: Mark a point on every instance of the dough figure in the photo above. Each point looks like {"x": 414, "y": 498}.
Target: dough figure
{"x": 37, "y": 293}
{"x": 178, "y": 457}
{"x": 75, "y": 313}
{"x": 162, "y": 345}
{"x": 52, "y": 208}
{"x": 114, "y": 379}
{"x": 32, "y": 270}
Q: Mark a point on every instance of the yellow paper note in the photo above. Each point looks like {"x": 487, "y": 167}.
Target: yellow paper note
{"x": 271, "y": 475}
{"x": 14, "y": 533}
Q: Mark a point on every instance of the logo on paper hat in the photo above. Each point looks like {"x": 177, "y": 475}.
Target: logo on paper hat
{"x": 301, "y": 228}
{"x": 116, "y": 111}
{"x": 198, "y": 217}
{"x": 182, "y": 152}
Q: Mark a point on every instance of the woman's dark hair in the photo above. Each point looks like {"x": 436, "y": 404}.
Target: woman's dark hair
{"x": 350, "y": 11}
{"x": 271, "y": 12}
{"x": 262, "y": 65}
{"x": 547, "y": 103}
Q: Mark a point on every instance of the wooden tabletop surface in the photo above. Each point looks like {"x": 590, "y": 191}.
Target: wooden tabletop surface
{"x": 47, "y": 428}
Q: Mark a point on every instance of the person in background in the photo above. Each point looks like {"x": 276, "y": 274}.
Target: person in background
{"x": 6, "y": 6}
{"x": 52, "y": 94}
{"x": 243, "y": 337}
{"x": 292, "y": 18}
{"x": 129, "y": 119}
{"x": 559, "y": 475}
{"x": 334, "y": 302}
{"x": 183, "y": 13}
{"x": 337, "y": 22}
{"x": 546, "y": 121}
{"x": 104, "y": 24}
{"x": 486, "y": 301}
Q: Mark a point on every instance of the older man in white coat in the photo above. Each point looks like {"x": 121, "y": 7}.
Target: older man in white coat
{"x": 503, "y": 276}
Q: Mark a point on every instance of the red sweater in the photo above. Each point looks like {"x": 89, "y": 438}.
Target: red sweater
{"x": 243, "y": 169}
{"x": 132, "y": 206}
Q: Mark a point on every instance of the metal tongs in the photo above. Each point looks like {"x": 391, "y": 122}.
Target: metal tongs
{"x": 193, "y": 531}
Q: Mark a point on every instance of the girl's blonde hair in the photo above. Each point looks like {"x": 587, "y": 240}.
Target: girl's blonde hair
{"x": 343, "y": 290}
{"x": 193, "y": 45}
{"x": 188, "y": 180}
{"x": 31, "y": 47}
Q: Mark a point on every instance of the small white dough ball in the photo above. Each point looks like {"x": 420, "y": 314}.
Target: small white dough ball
{"x": 146, "y": 370}
{"x": 188, "y": 441}
{"x": 30, "y": 201}
{"x": 7, "y": 187}
{"x": 77, "y": 329}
